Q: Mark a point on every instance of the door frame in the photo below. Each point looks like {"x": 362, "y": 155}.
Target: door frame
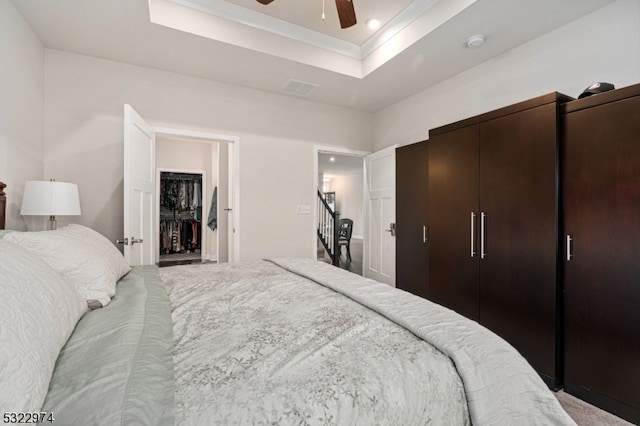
{"x": 323, "y": 149}
{"x": 234, "y": 141}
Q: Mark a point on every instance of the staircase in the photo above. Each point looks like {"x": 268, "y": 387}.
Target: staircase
{"x": 328, "y": 227}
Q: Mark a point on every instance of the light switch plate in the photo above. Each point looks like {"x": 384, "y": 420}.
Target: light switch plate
{"x": 304, "y": 209}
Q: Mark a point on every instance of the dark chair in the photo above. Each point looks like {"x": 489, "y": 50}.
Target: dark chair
{"x": 344, "y": 236}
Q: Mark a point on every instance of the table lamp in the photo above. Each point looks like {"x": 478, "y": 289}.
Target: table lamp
{"x": 50, "y": 198}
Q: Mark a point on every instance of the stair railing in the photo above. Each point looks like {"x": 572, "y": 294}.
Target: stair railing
{"x": 328, "y": 229}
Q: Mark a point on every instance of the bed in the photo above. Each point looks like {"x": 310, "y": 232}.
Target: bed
{"x": 279, "y": 341}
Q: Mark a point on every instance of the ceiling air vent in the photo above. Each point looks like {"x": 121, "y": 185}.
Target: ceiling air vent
{"x": 299, "y": 88}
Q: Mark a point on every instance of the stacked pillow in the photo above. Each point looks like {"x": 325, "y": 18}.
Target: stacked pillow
{"x": 89, "y": 261}
{"x": 39, "y": 309}
{"x": 47, "y": 282}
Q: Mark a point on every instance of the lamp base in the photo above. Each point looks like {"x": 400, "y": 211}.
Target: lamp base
{"x": 52, "y": 225}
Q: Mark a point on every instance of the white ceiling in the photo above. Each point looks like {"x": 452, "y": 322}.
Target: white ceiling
{"x": 308, "y": 14}
{"x": 270, "y": 45}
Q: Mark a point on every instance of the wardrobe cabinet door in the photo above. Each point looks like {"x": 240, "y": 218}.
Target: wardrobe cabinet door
{"x": 602, "y": 275}
{"x": 518, "y": 198}
{"x": 412, "y": 174}
{"x": 453, "y": 210}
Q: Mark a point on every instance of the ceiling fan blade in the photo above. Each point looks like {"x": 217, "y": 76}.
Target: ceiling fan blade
{"x": 264, "y": 1}
{"x": 346, "y": 13}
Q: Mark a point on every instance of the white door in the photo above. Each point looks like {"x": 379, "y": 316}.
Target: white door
{"x": 139, "y": 185}
{"x": 380, "y": 215}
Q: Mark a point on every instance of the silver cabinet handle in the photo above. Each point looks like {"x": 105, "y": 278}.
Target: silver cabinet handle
{"x": 134, "y": 240}
{"x": 569, "y": 248}
{"x": 483, "y": 218}
{"x": 424, "y": 234}
{"x": 473, "y": 225}
{"x": 124, "y": 242}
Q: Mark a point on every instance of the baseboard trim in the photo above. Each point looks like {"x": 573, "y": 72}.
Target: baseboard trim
{"x": 553, "y": 383}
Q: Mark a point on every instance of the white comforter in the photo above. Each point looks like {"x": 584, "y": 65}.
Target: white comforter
{"x": 258, "y": 345}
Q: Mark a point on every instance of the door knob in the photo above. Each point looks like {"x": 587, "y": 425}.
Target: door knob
{"x": 392, "y": 229}
{"x": 134, "y": 240}
{"x": 124, "y": 242}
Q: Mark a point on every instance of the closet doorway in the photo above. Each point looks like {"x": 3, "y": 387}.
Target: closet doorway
{"x": 181, "y": 217}
{"x": 194, "y": 200}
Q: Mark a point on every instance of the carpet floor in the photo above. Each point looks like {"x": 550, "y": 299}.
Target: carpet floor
{"x": 585, "y": 414}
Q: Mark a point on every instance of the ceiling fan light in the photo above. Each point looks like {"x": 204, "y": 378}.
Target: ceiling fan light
{"x": 475, "y": 41}
{"x": 373, "y": 24}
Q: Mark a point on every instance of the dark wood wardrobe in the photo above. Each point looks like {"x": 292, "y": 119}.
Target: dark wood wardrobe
{"x": 492, "y": 218}
{"x": 3, "y": 205}
{"x": 601, "y": 187}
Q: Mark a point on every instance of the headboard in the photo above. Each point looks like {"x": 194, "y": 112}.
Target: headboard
{"x": 3, "y": 204}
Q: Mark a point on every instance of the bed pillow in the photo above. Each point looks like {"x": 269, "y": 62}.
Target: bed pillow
{"x": 39, "y": 309}
{"x": 90, "y": 262}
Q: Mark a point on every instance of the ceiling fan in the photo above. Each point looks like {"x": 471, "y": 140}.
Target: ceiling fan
{"x": 346, "y": 12}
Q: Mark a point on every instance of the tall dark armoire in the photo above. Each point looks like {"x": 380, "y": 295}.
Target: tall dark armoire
{"x": 601, "y": 187}
{"x": 493, "y": 208}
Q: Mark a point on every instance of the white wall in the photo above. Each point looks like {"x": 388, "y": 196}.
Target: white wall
{"x": 21, "y": 109}
{"x": 601, "y": 46}
{"x": 349, "y": 191}
{"x": 84, "y": 128}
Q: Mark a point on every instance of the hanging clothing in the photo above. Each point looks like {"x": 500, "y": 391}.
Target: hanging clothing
{"x": 212, "y": 220}
{"x": 180, "y": 193}
{"x": 197, "y": 195}
{"x": 180, "y": 212}
{"x": 170, "y": 194}
{"x": 179, "y": 235}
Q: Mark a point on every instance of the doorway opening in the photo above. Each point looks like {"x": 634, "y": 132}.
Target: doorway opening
{"x": 340, "y": 183}
{"x": 214, "y": 158}
{"x": 141, "y": 187}
{"x": 181, "y": 231}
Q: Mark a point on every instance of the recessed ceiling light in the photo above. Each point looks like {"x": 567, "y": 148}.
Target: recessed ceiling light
{"x": 475, "y": 41}
{"x": 373, "y": 24}
{"x": 332, "y": 159}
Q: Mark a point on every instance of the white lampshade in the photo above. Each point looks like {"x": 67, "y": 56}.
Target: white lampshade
{"x": 50, "y": 198}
